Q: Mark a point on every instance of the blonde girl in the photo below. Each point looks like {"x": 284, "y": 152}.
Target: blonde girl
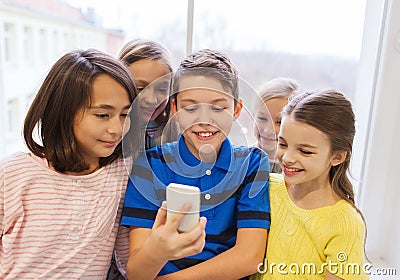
{"x": 274, "y": 96}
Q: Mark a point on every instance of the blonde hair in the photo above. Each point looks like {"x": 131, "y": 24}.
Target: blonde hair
{"x": 278, "y": 88}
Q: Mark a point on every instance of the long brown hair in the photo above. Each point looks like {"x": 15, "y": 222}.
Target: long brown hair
{"x": 139, "y": 49}
{"x": 330, "y": 112}
{"x": 65, "y": 90}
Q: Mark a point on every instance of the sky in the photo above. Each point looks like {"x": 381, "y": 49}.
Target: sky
{"x": 306, "y": 26}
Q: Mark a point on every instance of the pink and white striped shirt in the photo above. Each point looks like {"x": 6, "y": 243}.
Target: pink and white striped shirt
{"x": 58, "y": 226}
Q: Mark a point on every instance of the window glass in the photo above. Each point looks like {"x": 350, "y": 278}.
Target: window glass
{"x": 38, "y": 33}
{"x": 43, "y": 45}
{"x": 315, "y": 42}
{"x": 164, "y": 21}
{"x": 8, "y": 42}
{"x": 12, "y": 115}
{"x": 27, "y": 42}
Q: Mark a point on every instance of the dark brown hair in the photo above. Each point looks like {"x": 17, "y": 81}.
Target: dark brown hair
{"x": 209, "y": 63}
{"x": 65, "y": 90}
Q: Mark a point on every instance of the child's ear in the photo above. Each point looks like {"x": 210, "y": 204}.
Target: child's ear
{"x": 338, "y": 157}
{"x": 238, "y": 109}
{"x": 173, "y": 106}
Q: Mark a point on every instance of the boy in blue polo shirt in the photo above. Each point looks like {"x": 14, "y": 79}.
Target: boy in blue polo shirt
{"x": 233, "y": 183}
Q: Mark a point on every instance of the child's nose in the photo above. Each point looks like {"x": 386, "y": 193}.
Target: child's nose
{"x": 267, "y": 130}
{"x": 116, "y": 126}
{"x": 204, "y": 115}
{"x": 288, "y": 157}
{"x": 149, "y": 96}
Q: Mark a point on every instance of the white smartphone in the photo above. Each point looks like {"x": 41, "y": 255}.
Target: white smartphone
{"x": 177, "y": 195}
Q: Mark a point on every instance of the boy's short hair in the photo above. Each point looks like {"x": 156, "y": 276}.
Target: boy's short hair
{"x": 208, "y": 63}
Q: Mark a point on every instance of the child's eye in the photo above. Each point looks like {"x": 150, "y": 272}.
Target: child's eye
{"x": 102, "y": 116}
{"x": 281, "y": 144}
{"x": 190, "y": 108}
{"x": 217, "y": 108}
{"x": 263, "y": 119}
{"x": 162, "y": 90}
{"x": 306, "y": 152}
{"x": 124, "y": 115}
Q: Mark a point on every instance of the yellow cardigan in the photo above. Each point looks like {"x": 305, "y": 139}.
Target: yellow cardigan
{"x": 304, "y": 244}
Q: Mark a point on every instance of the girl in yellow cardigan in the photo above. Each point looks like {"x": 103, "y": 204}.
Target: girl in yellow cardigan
{"x": 317, "y": 232}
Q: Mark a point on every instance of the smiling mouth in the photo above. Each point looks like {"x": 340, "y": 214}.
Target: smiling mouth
{"x": 110, "y": 143}
{"x": 205, "y": 135}
{"x": 291, "y": 170}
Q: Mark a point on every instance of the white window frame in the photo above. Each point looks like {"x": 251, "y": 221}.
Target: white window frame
{"x": 377, "y": 150}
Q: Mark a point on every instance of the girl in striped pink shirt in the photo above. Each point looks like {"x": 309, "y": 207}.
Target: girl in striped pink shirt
{"x": 60, "y": 204}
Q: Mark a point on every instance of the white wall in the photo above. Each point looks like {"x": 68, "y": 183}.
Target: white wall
{"x": 379, "y": 81}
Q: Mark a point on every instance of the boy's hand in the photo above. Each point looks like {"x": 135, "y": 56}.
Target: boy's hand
{"x": 168, "y": 243}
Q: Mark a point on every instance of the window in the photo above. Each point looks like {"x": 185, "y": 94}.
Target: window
{"x": 266, "y": 39}
{"x": 376, "y": 149}
{"x": 27, "y": 45}
{"x": 55, "y": 45}
{"x": 287, "y": 38}
{"x": 13, "y": 116}
{"x": 8, "y": 42}
{"x": 43, "y": 42}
